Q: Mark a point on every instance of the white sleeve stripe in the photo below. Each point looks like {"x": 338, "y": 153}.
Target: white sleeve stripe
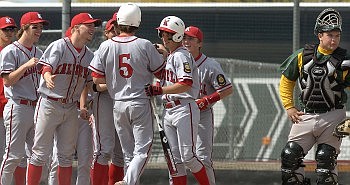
{"x": 96, "y": 70}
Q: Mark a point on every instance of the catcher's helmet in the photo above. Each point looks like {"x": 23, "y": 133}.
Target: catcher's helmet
{"x": 328, "y": 20}
{"x": 129, "y": 15}
{"x": 172, "y": 24}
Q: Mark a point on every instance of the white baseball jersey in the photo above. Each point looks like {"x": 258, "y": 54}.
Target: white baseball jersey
{"x": 70, "y": 68}
{"x": 181, "y": 66}
{"x": 125, "y": 74}
{"x": 211, "y": 77}
{"x": 12, "y": 57}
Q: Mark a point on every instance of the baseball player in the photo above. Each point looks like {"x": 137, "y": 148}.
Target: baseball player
{"x": 7, "y": 32}
{"x": 21, "y": 81}
{"x": 126, "y": 63}
{"x": 84, "y": 148}
{"x": 116, "y": 166}
{"x": 181, "y": 113}
{"x": 322, "y": 72}
{"x": 64, "y": 76}
{"x": 106, "y": 141}
{"x": 214, "y": 86}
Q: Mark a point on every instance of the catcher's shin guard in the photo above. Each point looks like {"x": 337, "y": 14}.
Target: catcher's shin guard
{"x": 326, "y": 157}
{"x": 292, "y": 159}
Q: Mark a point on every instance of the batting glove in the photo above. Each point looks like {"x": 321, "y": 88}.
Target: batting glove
{"x": 202, "y": 103}
{"x": 152, "y": 90}
{"x": 207, "y": 100}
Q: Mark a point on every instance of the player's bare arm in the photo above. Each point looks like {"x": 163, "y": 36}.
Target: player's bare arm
{"x": 99, "y": 87}
{"x": 99, "y": 80}
{"x": 13, "y": 77}
{"x": 176, "y": 88}
{"x": 84, "y": 114}
{"x": 153, "y": 90}
{"x": 49, "y": 79}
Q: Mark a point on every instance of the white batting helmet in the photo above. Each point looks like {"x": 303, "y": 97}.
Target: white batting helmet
{"x": 129, "y": 15}
{"x": 173, "y": 24}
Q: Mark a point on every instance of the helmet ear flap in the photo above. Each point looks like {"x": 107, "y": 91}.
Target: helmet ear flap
{"x": 177, "y": 37}
{"x": 160, "y": 34}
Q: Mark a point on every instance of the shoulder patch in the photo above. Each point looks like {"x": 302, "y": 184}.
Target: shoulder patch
{"x": 221, "y": 79}
{"x": 187, "y": 67}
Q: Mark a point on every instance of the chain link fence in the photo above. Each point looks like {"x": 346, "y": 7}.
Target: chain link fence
{"x": 250, "y": 125}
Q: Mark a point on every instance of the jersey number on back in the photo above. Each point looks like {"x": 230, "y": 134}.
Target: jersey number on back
{"x": 125, "y": 69}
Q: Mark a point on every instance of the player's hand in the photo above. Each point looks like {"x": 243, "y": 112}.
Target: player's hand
{"x": 162, "y": 50}
{"x": 32, "y": 62}
{"x": 49, "y": 79}
{"x": 202, "y": 103}
{"x": 84, "y": 114}
{"x": 152, "y": 90}
{"x": 294, "y": 115}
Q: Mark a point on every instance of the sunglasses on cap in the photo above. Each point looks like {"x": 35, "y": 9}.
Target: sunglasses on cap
{"x": 8, "y": 29}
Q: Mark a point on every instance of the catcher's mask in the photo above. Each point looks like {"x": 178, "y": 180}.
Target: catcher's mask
{"x": 328, "y": 20}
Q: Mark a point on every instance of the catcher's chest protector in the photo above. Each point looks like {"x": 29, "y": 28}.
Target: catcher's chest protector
{"x": 320, "y": 90}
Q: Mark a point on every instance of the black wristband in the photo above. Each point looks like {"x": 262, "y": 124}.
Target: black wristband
{"x": 94, "y": 88}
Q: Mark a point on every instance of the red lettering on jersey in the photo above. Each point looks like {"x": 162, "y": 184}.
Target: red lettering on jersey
{"x": 170, "y": 76}
{"x": 69, "y": 69}
{"x": 86, "y": 72}
{"x": 63, "y": 70}
{"x": 125, "y": 69}
{"x": 78, "y": 70}
{"x": 202, "y": 90}
{"x": 29, "y": 72}
{"x": 58, "y": 69}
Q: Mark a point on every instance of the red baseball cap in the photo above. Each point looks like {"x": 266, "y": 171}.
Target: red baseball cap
{"x": 195, "y": 32}
{"x": 68, "y": 32}
{"x": 84, "y": 18}
{"x": 32, "y": 18}
{"x": 7, "y": 22}
{"x": 114, "y": 17}
{"x": 109, "y": 24}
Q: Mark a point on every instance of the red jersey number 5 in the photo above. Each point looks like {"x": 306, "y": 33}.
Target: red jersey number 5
{"x": 125, "y": 69}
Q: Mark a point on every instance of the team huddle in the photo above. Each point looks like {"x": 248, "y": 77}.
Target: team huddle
{"x": 69, "y": 101}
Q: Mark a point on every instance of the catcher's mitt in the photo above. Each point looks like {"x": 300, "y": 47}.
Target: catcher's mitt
{"x": 342, "y": 129}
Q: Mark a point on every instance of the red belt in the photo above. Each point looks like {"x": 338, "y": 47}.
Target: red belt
{"x": 27, "y": 102}
{"x": 171, "y": 104}
{"x": 61, "y": 100}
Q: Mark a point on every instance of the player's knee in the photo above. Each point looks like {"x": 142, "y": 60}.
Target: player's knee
{"x": 65, "y": 161}
{"x": 102, "y": 158}
{"x": 326, "y": 157}
{"x": 193, "y": 164}
{"x": 38, "y": 160}
{"x": 292, "y": 159}
{"x": 118, "y": 161}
